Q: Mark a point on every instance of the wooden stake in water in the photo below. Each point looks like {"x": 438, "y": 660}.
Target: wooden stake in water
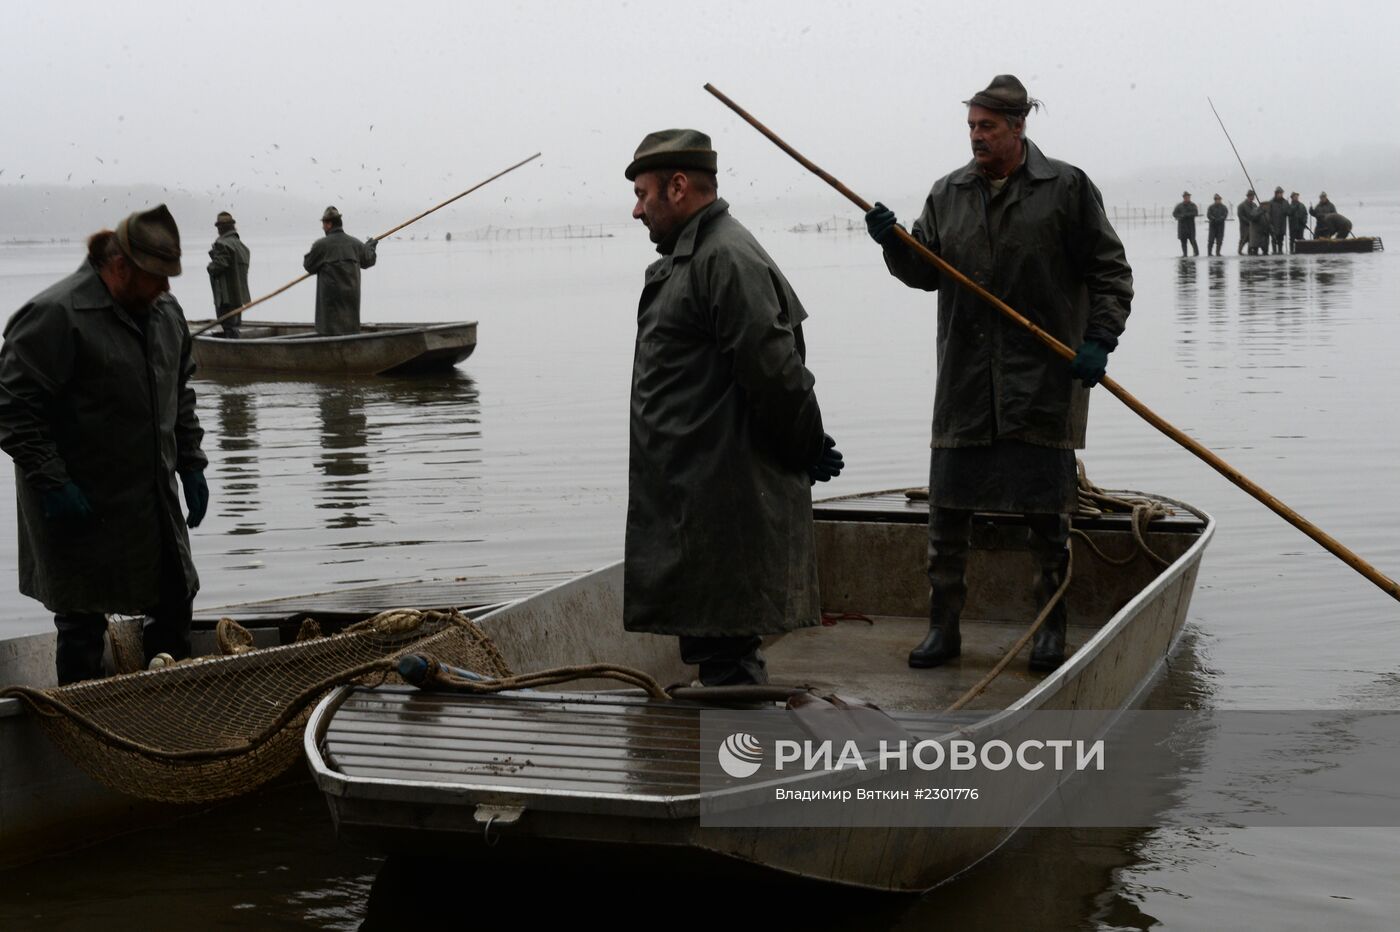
{"x": 387, "y": 233}
{"x": 1385, "y": 583}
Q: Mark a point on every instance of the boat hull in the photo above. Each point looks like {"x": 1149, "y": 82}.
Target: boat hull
{"x": 1327, "y": 246}
{"x": 378, "y": 349}
{"x": 579, "y": 622}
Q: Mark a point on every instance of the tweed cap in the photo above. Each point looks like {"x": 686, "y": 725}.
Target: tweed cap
{"x": 1323, "y": 194}
{"x": 1278, "y": 190}
{"x": 223, "y": 218}
{"x": 673, "y": 148}
{"x": 1005, "y": 93}
{"x": 330, "y": 213}
{"x": 151, "y": 240}
{"x": 1185, "y": 193}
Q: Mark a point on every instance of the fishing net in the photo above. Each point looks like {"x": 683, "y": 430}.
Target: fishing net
{"x": 217, "y": 727}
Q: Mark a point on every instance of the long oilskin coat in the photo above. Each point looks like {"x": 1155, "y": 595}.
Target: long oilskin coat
{"x": 1185, "y": 214}
{"x": 336, "y": 259}
{"x": 724, "y": 421}
{"x": 86, "y": 396}
{"x": 228, "y": 271}
{"x": 1044, "y": 246}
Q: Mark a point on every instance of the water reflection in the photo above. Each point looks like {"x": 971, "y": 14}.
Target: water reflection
{"x": 236, "y": 474}
{"x": 344, "y": 459}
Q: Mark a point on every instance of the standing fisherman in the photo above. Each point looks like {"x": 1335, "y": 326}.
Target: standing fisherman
{"x": 1297, "y": 221}
{"x": 1185, "y": 215}
{"x": 228, "y": 273}
{"x": 1008, "y": 413}
{"x": 726, "y": 433}
{"x": 1278, "y": 219}
{"x": 1323, "y": 208}
{"x": 97, "y": 411}
{"x": 1245, "y": 214}
{"x": 336, "y": 260}
{"x": 1215, "y": 216}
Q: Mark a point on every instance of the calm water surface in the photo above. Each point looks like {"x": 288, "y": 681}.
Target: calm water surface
{"x": 517, "y": 462}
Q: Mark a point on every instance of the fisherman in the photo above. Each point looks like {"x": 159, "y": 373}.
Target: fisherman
{"x": 98, "y": 413}
{"x": 1297, "y": 221}
{"x": 336, "y": 259}
{"x": 1215, "y": 216}
{"x": 1244, "y": 213}
{"x": 1278, "y": 219}
{"x": 1008, "y": 413}
{"x": 228, "y": 273}
{"x": 1332, "y": 226}
{"x": 726, "y": 433}
{"x": 1260, "y": 228}
{"x": 1323, "y": 208}
{"x": 1185, "y": 216}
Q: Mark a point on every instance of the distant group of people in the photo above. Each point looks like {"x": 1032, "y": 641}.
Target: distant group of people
{"x": 335, "y": 259}
{"x": 1262, "y": 226}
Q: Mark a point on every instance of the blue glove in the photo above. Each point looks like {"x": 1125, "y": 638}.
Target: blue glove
{"x": 66, "y": 504}
{"x": 880, "y": 222}
{"x": 196, "y": 495}
{"x": 829, "y": 463}
{"x": 1090, "y": 363}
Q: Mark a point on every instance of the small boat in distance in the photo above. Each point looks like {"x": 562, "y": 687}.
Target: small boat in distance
{"x": 378, "y": 349}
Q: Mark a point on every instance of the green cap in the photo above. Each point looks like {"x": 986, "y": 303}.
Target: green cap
{"x": 1006, "y": 93}
{"x": 673, "y": 148}
{"x": 224, "y": 218}
{"x": 330, "y": 214}
{"x": 151, "y": 240}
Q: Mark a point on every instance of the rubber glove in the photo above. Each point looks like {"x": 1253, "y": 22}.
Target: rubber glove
{"x": 880, "y": 222}
{"x": 67, "y": 503}
{"x": 1090, "y": 363}
{"x": 829, "y": 463}
{"x": 196, "y": 495}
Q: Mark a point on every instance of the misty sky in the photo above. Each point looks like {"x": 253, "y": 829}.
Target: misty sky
{"x": 357, "y": 103}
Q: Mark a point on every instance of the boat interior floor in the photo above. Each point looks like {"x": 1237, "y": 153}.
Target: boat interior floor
{"x": 869, "y": 660}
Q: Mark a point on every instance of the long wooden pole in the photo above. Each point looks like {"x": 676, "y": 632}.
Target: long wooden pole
{"x": 387, "y": 233}
{"x": 1386, "y": 584}
{"x": 1233, "y": 149}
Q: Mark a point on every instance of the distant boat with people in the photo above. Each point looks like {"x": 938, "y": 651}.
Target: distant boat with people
{"x": 378, "y": 349}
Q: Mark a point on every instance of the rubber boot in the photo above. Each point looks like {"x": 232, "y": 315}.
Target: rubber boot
{"x": 78, "y": 654}
{"x": 950, "y": 534}
{"x": 1049, "y": 543}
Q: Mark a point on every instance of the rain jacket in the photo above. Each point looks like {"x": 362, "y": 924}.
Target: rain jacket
{"x": 336, "y": 259}
{"x": 724, "y": 422}
{"x": 1044, "y": 246}
{"x": 86, "y": 395}
{"x": 228, "y": 272}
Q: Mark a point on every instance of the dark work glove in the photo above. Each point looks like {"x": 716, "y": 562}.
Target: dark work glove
{"x": 828, "y": 465}
{"x": 196, "y": 495}
{"x": 66, "y": 504}
{"x": 879, "y": 223}
{"x": 1090, "y": 363}
{"x": 371, "y": 243}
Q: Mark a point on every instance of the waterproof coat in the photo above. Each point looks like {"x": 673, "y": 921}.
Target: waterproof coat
{"x": 86, "y": 395}
{"x": 1278, "y": 215}
{"x": 336, "y": 259}
{"x": 1185, "y": 215}
{"x": 1044, "y": 246}
{"x": 1297, "y": 220}
{"x": 228, "y": 272}
{"x": 1322, "y": 209}
{"x": 724, "y": 422}
{"x": 1259, "y": 229}
{"x": 1217, "y": 213}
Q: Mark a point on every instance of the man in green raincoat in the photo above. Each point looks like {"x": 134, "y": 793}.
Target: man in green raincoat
{"x": 336, "y": 260}
{"x": 228, "y": 273}
{"x": 97, "y": 411}
{"x": 1008, "y": 413}
{"x": 726, "y": 433}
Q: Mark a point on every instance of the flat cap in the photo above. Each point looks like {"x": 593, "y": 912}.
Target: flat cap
{"x": 151, "y": 240}
{"x": 1006, "y": 93}
{"x": 1278, "y": 190}
{"x": 224, "y": 217}
{"x": 1185, "y": 193}
{"x": 330, "y": 213}
{"x": 673, "y": 148}
{"x": 1323, "y": 194}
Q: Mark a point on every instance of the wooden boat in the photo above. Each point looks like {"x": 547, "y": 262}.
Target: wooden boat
{"x": 1326, "y": 246}
{"x": 48, "y": 805}
{"x": 589, "y": 775}
{"x": 378, "y": 349}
